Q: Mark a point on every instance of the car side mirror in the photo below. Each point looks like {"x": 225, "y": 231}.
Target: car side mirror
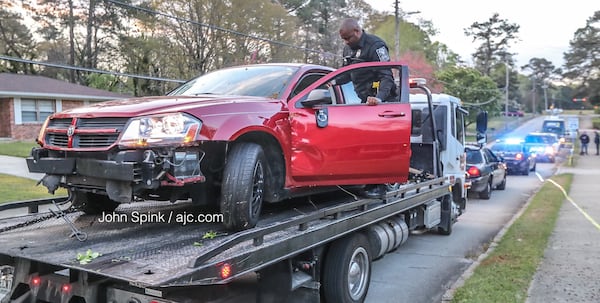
{"x": 317, "y": 96}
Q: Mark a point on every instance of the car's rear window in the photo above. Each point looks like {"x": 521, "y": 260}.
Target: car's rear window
{"x": 474, "y": 156}
{"x": 507, "y": 148}
{"x": 540, "y": 139}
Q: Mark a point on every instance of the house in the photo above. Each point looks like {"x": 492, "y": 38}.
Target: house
{"x": 26, "y": 101}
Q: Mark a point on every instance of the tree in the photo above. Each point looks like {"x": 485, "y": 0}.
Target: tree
{"x": 476, "y": 90}
{"x": 582, "y": 61}
{"x": 16, "y": 41}
{"x": 542, "y": 71}
{"x": 495, "y": 35}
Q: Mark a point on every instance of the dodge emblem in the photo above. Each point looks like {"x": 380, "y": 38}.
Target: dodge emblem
{"x": 71, "y": 131}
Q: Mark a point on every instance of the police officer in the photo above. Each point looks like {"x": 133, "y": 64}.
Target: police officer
{"x": 371, "y": 86}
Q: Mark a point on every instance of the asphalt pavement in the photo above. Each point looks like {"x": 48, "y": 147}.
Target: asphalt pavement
{"x": 569, "y": 269}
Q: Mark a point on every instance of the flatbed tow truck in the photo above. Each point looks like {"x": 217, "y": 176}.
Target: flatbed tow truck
{"x": 163, "y": 262}
{"x": 316, "y": 248}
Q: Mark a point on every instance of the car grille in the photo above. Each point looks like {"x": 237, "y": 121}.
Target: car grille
{"x": 85, "y": 133}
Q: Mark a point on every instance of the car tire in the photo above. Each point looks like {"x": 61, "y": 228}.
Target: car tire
{"x": 243, "y": 186}
{"x": 525, "y": 172}
{"x": 502, "y": 186}
{"x": 487, "y": 192}
{"x": 534, "y": 167}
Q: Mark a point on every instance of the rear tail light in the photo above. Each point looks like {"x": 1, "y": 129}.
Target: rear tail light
{"x": 473, "y": 171}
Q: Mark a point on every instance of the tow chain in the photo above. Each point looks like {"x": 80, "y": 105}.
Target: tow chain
{"x": 39, "y": 219}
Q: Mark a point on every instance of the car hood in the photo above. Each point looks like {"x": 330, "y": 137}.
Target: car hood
{"x": 132, "y": 107}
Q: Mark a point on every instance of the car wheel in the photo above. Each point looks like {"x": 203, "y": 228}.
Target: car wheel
{"x": 92, "y": 204}
{"x": 487, "y": 192}
{"x": 534, "y": 167}
{"x": 242, "y": 189}
{"x": 525, "y": 172}
{"x": 502, "y": 186}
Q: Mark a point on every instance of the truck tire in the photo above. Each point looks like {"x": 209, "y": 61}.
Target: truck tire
{"x": 242, "y": 189}
{"x": 347, "y": 270}
{"x": 447, "y": 216}
{"x": 92, "y": 204}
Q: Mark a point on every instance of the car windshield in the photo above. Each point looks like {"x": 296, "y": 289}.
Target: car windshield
{"x": 507, "y": 148}
{"x": 474, "y": 156}
{"x": 258, "y": 81}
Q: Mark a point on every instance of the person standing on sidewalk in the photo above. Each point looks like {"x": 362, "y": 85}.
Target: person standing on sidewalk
{"x": 585, "y": 140}
{"x": 597, "y": 142}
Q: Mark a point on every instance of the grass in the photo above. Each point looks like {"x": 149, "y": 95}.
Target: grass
{"x": 19, "y": 189}
{"x": 16, "y": 148}
{"x": 506, "y": 273}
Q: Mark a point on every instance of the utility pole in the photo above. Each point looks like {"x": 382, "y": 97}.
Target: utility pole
{"x": 545, "y": 86}
{"x": 506, "y": 97}
{"x": 534, "y": 93}
{"x": 397, "y": 15}
{"x": 397, "y": 45}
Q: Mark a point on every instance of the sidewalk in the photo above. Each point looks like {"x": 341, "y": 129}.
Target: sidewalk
{"x": 569, "y": 269}
{"x": 18, "y": 167}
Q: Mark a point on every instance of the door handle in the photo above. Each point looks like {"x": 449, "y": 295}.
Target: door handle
{"x": 391, "y": 114}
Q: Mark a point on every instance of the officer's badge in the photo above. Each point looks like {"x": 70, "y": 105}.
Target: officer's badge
{"x": 382, "y": 53}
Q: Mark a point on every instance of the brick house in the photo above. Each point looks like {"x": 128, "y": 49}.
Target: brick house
{"x": 26, "y": 101}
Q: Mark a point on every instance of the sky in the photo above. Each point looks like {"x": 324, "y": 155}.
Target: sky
{"x": 546, "y": 27}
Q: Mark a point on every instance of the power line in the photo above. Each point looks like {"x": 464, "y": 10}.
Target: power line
{"x": 93, "y": 70}
{"x": 201, "y": 24}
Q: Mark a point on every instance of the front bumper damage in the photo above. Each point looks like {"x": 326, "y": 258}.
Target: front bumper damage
{"x": 124, "y": 175}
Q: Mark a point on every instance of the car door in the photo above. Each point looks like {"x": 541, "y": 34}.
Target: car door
{"x": 334, "y": 143}
{"x": 496, "y": 166}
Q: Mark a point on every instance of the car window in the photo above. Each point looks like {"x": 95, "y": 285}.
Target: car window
{"x": 307, "y": 81}
{"x": 514, "y": 148}
{"x": 489, "y": 155}
{"x": 474, "y": 156}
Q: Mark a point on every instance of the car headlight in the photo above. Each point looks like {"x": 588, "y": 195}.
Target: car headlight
{"x": 549, "y": 150}
{"x": 175, "y": 128}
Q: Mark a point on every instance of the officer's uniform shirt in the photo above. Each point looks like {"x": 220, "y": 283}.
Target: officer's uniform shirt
{"x": 370, "y": 48}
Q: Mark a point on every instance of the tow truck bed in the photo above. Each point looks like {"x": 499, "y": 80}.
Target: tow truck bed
{"x": 165, "y": 254}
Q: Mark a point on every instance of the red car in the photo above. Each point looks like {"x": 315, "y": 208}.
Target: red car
{"x": 235, "y": 137}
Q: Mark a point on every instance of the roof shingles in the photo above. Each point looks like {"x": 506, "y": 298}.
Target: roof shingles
{"x": 31, "y": 84}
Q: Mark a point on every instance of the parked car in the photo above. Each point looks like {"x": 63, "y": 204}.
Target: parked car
{"x": 517, "y": 157}
{"x": 514, "y": 113}
{"x": 485, "y": 171}
{"x": 544, "y": 145}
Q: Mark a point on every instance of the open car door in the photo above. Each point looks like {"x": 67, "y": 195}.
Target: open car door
{"x": 337, "y": 143}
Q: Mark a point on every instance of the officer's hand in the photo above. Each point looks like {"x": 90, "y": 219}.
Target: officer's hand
{"x": 373, "y": 100}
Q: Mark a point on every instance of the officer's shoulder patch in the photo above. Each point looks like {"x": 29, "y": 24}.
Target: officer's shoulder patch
{"x": 382, "y": 53}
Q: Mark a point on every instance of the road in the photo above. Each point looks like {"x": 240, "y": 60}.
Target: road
{"x": 424, "y": 268}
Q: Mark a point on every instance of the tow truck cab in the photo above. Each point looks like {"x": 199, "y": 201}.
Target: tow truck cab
{"x": 449, "y": 117}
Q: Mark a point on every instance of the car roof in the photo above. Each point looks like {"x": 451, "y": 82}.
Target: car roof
{"x": 541, "y": 134}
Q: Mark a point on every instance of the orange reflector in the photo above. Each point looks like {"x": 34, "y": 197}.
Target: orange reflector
{"x": 225, "y": 271}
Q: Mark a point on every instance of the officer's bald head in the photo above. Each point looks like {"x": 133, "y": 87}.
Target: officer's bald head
{"x": 350, "y": 31}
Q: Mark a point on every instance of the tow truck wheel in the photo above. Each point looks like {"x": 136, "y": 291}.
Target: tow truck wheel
{"x": 242, "y": 189}
{"x": 347, "y": 270}
{"x": 92, "y": 204}
{"x": 448, "y": 216}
